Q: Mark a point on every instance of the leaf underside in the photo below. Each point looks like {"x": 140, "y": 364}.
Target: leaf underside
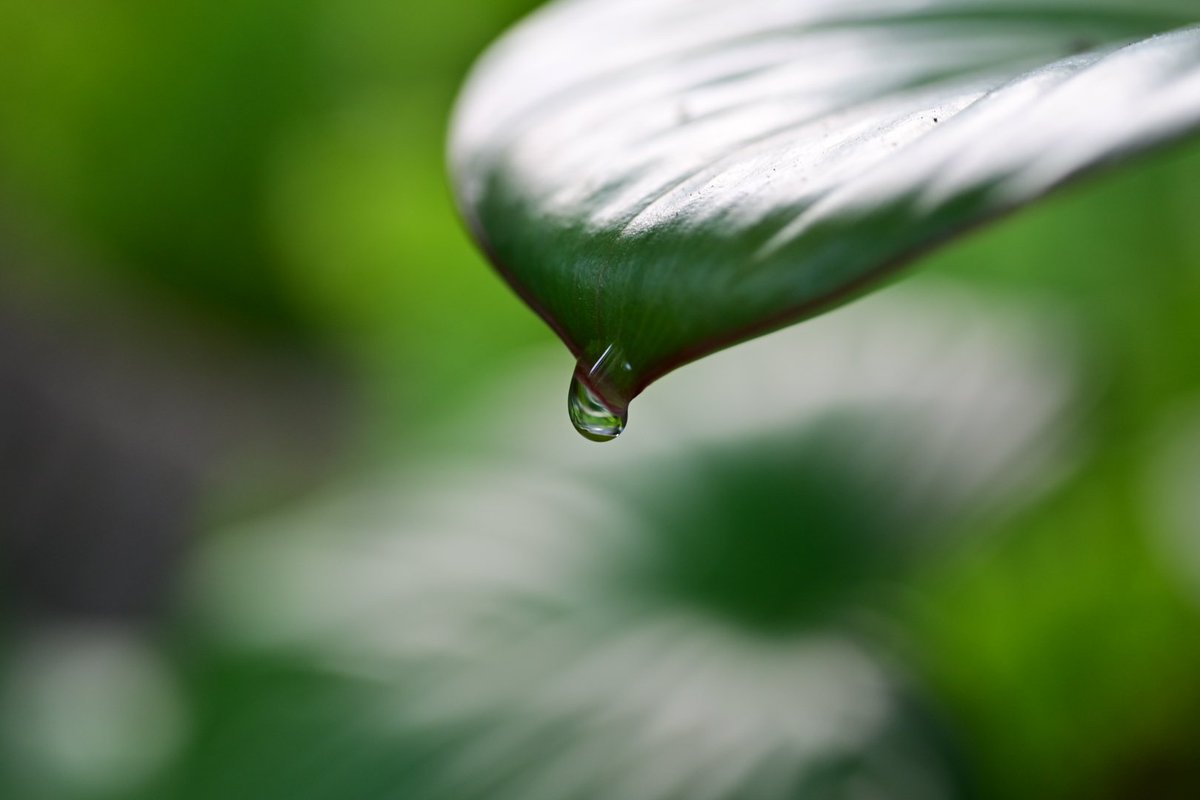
{"x": 662, "y": 178}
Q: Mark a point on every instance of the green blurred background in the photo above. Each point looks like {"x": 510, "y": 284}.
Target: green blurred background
{"x": 284, "y": 515}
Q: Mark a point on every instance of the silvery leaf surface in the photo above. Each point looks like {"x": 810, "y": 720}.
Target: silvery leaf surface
{"x": 663, "y": 178}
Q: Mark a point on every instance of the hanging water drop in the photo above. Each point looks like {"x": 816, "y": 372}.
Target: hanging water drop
{"x": 591, "y": 416}
{"x": 595, "y": 383}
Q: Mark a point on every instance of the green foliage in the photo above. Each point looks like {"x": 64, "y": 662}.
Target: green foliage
{"x": 666, "y": 182}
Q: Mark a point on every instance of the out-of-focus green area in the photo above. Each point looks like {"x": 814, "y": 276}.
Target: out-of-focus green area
{"x": 276, "y": 164}
{"x": 290, "y": 507}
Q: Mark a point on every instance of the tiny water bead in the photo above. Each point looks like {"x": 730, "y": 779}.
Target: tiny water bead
{"x": 591, "y": 416}
{"x": 607, "y": 376}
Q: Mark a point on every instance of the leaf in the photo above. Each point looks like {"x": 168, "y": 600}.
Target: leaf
{"x": 709, "y": 616}
{"x": 659, "y": 179}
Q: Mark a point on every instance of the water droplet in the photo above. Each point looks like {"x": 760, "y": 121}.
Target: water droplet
{"x": 591, "y": 416}
{"x": 600, "y": 390}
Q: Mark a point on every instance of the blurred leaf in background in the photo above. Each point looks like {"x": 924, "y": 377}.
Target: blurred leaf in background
{"x": 706, "y": 617}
